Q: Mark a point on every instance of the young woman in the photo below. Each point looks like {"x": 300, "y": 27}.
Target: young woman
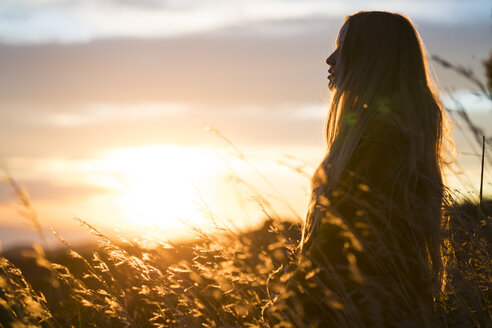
{"x": 372, "y": 229}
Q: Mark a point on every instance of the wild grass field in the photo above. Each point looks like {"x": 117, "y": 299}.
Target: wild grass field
{"x": 221, "y": 280}
{"x": 226, "y": 279}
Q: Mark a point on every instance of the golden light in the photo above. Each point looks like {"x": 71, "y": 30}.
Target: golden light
{"x": 161, "y": 186}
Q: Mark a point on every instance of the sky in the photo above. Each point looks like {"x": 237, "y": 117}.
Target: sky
{"x": 154, "y": 116}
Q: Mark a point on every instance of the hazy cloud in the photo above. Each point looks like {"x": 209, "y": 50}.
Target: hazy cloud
{"x": 47, "y": 190}
{"x": 83, "y": 20}
{"x": 225, "y": 67}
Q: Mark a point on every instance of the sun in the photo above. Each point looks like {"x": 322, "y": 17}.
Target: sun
{"x": 161, "y": 185}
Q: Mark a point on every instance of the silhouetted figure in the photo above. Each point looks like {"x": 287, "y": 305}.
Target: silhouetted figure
{"x": 370, "y": 253}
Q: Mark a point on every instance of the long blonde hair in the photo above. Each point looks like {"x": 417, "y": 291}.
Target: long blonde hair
{"x": 384, "y": 75}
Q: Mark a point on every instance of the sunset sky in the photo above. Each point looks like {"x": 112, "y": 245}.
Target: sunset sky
{"x": 122, "y": 112}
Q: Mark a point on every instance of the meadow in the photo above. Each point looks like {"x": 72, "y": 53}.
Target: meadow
{"x": 226, "y": 278}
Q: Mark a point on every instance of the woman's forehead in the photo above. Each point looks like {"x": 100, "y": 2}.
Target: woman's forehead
{"x": 342, "y": 33}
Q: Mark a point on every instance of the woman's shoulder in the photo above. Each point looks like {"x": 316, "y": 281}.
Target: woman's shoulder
{"x": 385, "y": 112}
{"x": 381, "y": 151}
{"x": 384, "y": 134}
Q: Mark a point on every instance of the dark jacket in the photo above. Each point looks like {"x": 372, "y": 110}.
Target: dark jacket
{"x": 369, "y": 254}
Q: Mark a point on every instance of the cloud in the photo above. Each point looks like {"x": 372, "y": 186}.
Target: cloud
{"x": 41, "y": 190}
{"x": 84, "y": 135}
{"x": 211, "y": 68}
{"x": 110, "y": 113}
{"x": 83, "y": 20}
{"x": 470, "y": 100}
{"x": 236, "y": 65}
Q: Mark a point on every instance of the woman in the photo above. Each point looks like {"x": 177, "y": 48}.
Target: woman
{"x": 372, "y": 229}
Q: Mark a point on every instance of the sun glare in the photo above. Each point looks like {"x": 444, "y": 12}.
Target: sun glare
{"x": 161, "y": 186}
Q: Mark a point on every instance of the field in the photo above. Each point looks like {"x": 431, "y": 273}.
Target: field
{"x": 228, "y": 280}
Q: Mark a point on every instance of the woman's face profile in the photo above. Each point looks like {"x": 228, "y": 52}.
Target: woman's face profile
{"x": 335, "y": 58}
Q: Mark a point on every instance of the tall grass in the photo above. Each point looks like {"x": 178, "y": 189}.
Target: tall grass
{"x": 227, "y": 280}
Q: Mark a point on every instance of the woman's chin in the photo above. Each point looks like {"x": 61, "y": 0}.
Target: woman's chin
{"x": 331, "y": 85}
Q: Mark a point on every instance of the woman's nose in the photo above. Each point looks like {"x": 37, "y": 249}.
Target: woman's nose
{"x": 331, "y": 60}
